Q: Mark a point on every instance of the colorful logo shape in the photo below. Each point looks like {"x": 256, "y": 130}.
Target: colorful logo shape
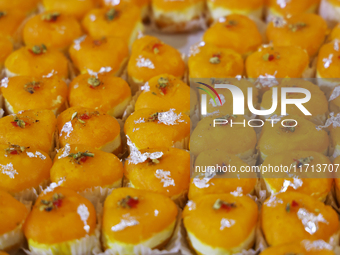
{"x": 209, "y": 93}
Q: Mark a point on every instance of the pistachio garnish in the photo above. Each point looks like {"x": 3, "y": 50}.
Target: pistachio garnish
{"x": 155, "y": 47}
{"x": 163, "y": 83}
{"x": 15, "y": 149}
{"x": 128, "y": 202}
{"x": 231, "y": 23}
{"x": 80, "y": 157}
{"x": 291, "y": 205}
{"x": 49, "y": 205}
{"x": 74, "y": 115}
{"x": 2, "y": 13}
{"x": 32, "y": 86}
{"x": 85, "y": 116}
{"x": 289, "y": 129}
{"x": 224, "y": 205}
{"x": 111, "y": 14}
{"x": 302, "y": 161}
{"x": 270, "y": 57}
{"x": 93, "y": 82}
{"x": 297, "y": 26}
{"x": 19, "y": 122}
{"x": 50, "y": 16}
{"x": 38, "y": 49}
{"x": 153, "y": 117}
{"x": 215, "y": 60}
{"x": 153, "y": 161}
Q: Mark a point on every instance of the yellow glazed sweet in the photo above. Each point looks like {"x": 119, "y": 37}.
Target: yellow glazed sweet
{"x": 289, "y": 8}
{"x": 177, "y": 15}
{"x": 310, "y": 219}
{"x": 241, "y": 140}
{"x": 10, "y": 21}
{"x": 302, "y": 164}
{"x": 166, "y": 171}
{"x": 6, "y": 48}
{"x": 209, "y": 219}
{"x": 151, "y": 57}
{"x": 31, "y": 128}
{"x": 103, "y": 92}
{"x": 279, "y": 61}
{"x": 76, "y": 8}
{"x": 317, "y": 105}
{"x": 164, "y": 92}
{"x": 231, "y": 32}
{"x": 208, "y": 60}
{"x": 305, "y": 30}
{"x": 205, "y": 182}
{"x": 53, "y": 29}
{"x": 304, "y": 136}
{"x": 36, "y": 60}
{"x": 123, "y": 21}
{"x": 12, "y": 217}
{"x": 91, "y": 127}
{"x": 221, "y": 8}
{"x": 78, "y": 165}
{"x": 28, "y": 93}
{"x": 305, "y": 247}
{"x": 149, "y": 128}
{"x": 92, "y": 54}
{"x": 133, "y": 217}
{"x": 61, "y": 209}
{"x": 23, "y": 169}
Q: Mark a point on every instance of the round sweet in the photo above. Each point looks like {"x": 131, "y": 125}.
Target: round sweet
{"x": 27, "y": 6}
{"x": 36, "y": 61}
{"x": 59, "y": 209}
{"x": 289, "y": 8}
{"x": 280, "y": 61}
{"x": 76, "y": 8}
{"x": 133, "y": 217}
{"x": 164, "y": 92}
{"x": 241, "y": 140}
{"x": 79, "y": 165}
{"x": 149, "y": 128}
{"x": 23, "y": 168}
{"x": 305, "y": 247}
{"x": 230, "y": 33}
{"x": 208, "y": 60}
{"x": 227, "y": 97}
{"x": 105, "y": 92}
{"x": 90, "y": 54}
{"x": 76, "y": 123}
{"x": 31, "y": 128}
{"x": 222, "y": 215}
{"x": 317, "y": 186}
{"x": 10, "y": 21}
{"x": 310, "y": 219}
{"x": 151, "y": 57}
{"x": 123, "y": 21}
{"x": 317, "y": 105}
{"x": 12, "y": 213}
{"x": 328, "y": 65}
{"x": 53, "y": 29}
{"x": 6, "y": 48}
{"x": 28, "y": 93}
{"x": 276, "y": 138}
{"x": 219, "y": 182}
{"x": 305, "y": 30}
{"x": 168, "y": 174}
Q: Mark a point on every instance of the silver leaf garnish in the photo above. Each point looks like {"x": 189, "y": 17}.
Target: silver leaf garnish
{"x": 310, "y": 221}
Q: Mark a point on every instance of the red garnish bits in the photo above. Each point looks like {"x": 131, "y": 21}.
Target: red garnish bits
{"x": 155, "y": 48}
{"x": 50, "y": 17}
{"x": 19, "y": 122}
{"x": 55, "y": 203}
{"x": 220, "y": 204}
{"x": 80, "y": 157}
{"x": 163, "y": 84}
{"x": 128, "y": 202}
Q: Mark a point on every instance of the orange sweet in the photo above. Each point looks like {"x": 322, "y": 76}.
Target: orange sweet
{"x": 288, "y": 8}
{"x": 87, "y": 126}
{"x": 231, "y": 32}
{"x": 76, "y": 8}
{"x": 209, "y": 60}
{"x": 328, "y": 65}
{"x": 79, "y": 165}
{"x": 64, "y": 213}
{"x": 6, "y": 48}
{"x": 28, "y": 93}
{"x": 169, "y": 174}
{"x": 283, "y": 61}
{"x": 123, "y": 21}
{"x": 305, "y": 30}
{"x": 91, "y": 54}
{"x": 53, "y": 29}
{"x": 10, "y": 21}
{"x": 31, "y": 128}
{"x": 149, "y": 128}
{"x": 105, "y": 92}
{"x": 36, "y": 60}
{"x": 23, "y": 168}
